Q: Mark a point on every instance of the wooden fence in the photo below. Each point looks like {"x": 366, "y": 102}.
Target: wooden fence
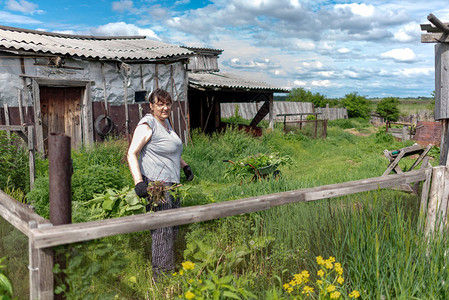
{"x": 249, "y": 110}
{"x": 43, "y": 236}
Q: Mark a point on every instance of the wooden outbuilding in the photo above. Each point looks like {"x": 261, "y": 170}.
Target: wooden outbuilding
{"x": 208, "y": 88}
{"x": 87, "y": 87}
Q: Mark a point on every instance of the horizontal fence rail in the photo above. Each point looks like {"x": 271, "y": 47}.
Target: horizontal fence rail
{"x": 18, "y": 214}
{"x": 45, "y": 237}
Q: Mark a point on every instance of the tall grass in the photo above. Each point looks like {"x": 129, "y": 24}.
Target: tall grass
{"x": 373, "y": 234}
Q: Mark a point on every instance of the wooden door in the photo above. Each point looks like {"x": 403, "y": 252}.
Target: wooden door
{"x": 61, "y": 112}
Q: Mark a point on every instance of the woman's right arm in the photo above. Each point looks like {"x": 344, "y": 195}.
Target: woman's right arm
{"x": 141, "y": 136}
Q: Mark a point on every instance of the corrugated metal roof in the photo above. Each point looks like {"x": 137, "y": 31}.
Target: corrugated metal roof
{"x": 123, "y": 48}
{"x": 219, "y": 80}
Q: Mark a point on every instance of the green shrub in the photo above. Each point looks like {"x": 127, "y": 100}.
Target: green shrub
{"x": 357, "y": 106}
{"x": 13, "y": 163}
{"x": 302, "y": 95}
{"x": 93, "y": 179}
{"x": 388, "y": 108}
{"x": 39, "y": 197}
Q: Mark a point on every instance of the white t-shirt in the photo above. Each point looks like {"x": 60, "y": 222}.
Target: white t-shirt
{"x": 160, "y": 158}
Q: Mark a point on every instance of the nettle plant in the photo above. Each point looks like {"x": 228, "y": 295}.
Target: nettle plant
{"x": 250, "y": 164}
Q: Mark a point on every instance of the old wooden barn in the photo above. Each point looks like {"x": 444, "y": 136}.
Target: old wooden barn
{"x": 86, "y": 86}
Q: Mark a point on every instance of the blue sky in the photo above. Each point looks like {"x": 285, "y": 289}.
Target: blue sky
{"x": 330, "y": 47}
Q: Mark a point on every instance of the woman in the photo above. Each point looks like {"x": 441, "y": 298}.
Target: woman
{"x": 155, "y": 155}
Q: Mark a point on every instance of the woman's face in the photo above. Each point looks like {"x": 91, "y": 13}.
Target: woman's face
{"x": 160, "y": 109}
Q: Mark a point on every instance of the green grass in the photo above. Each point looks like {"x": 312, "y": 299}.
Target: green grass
{"x": 373, "y": 234}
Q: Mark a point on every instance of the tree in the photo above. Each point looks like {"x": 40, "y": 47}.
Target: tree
{"x": 302, "y": 95}
{"x": 357, "y": 106}
{"x": 388, "y": 108}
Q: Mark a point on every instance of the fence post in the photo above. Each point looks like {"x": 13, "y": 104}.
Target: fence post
{"x": 40, "y": 269}
{"x": 59, "y": 173}
{"x": 438, "y": 197}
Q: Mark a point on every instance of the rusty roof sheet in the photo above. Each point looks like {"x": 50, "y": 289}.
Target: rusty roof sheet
{"x": 219, "y": 80}
{"x": 96, "y": 47}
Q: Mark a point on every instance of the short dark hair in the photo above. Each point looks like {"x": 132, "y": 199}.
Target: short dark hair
{"x": 161, "y": 95}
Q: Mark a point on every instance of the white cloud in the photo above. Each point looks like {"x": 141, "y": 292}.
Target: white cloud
{"x": 326, "y": 73}
{"x": 300, "y": 83}
{"x": 343, "y": 50}
{"x": 312, "y": 65}
{"x": 123, "y": 29}
{"x": 321, "y": 83}
{"x": 402, "y": 55}
{"x": 410, "y": 72}
{"x": 407, "y": 33}
{"x": 358, "y": 9}
{"x": 23, "y": 7}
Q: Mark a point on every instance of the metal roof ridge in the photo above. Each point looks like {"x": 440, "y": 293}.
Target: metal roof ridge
{"x": 71, "y": 36}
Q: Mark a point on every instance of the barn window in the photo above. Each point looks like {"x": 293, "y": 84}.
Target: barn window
{"x": 140, "y": 96}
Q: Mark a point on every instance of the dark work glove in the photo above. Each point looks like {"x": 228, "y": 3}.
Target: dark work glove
{"x": 141, "y": 189}
{"x": 188, "y": 172}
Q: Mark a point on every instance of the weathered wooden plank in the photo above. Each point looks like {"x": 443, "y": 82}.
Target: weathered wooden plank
{"x": 436, "y": 198}
{"x": 31, "y": 156}
{"x": 38, "y": 118}
{"x": 41, "y": 262}
{"x": 13, "y": 128}
{"x": 436, "y": 37}
{"x": 6, "y": 111}
{"x": 424, "y": 198}
{"x": 72, "y": 233}
{"x": 88, "y": 127}
{"x": 18, "y": 214}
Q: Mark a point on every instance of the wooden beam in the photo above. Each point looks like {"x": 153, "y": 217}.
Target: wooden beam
{"x": 6, "y": 111}
{"x": 437, "y": 37}
{"x": 13, "y": 128}
{"x": 38, "y": 118}
{"x": 18, "y": 214}
{"x": 440, "y": 25}
{"x": 72, "y": 233}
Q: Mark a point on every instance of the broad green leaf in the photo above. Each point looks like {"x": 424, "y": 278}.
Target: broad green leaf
{"x": 5, "y": 284}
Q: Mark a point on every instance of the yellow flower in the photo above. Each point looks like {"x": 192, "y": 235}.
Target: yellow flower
{"x": 320, "y": 273}
{"x": 307, "y": 290}
{"x": 354, "y": 294}
{"x": 335, "y": 295}
{"x": 188, "y": 265}
{"x": 190, "y": 295}
{"x": 328, "y": 264}
{"x": 340, "y": 280}
{"x": 320, "y": 260}
{"x": 190, "y": 280}
{"x": 331, "y": 288}
{"x": 298, "y": 278}
{"x": 305, "y": 274}
{"x": 181, "y": 272}
{"x": 286, "y": 286}
{"x": 338, "y": 269}
{"x": 174, "y": 274}
{"x": 319, "y": 282}
{"x": 331, "y": 259}
{"x": 292, "y": 283}
{"x": 132, "y": 279}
